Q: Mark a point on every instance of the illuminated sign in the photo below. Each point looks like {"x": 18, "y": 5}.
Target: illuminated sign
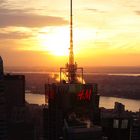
{"x": 77, "y": 99}
{"x": 71, "y": 96}
{"x": 84, "y": 94}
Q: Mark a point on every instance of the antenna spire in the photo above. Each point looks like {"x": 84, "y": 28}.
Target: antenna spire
{"x": 71, "y": 67}
{"x": 71, "y": 55}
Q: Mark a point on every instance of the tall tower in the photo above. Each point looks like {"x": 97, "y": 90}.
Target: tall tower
{"x": 1, "y": 66}
{"x": 3, "y": 129}
{"x": 71, "y": 103}
{"x": 71, "y": 55}
{"x": 71, "y": 68}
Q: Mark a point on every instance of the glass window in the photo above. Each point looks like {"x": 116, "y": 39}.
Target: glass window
{"x": 124, "y": 124}
{"x": 116, "y": 123}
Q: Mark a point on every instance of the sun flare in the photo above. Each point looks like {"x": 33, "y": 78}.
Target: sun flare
{"x": 56, "y": 42}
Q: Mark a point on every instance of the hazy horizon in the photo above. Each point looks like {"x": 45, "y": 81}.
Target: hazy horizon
{"x": 135, "y": 70}
{"x": 37, "y": 66}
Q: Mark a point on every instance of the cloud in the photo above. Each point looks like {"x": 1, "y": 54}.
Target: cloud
{"x": 95, "y": 10}
{"x": 14, "y": 35}
{"x": 2, "y": 1}
{"x": 11, "y": 11}
{"x": 20, "y": 18}
{"x": 17, "y": 11}
{"x": 137, "y": 12}
{"x": 26, "y": 58}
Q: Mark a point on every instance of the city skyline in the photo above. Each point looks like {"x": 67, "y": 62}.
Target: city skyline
{"x": 38, "y": 33}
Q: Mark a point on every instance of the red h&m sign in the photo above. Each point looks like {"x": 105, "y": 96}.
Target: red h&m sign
{"x": 84, "y": 94}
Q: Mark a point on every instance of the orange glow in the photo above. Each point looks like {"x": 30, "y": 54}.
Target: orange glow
{"x": 56, "y": 42}
{"x": 56, "y": 77}
{"x": 102, "y": 34}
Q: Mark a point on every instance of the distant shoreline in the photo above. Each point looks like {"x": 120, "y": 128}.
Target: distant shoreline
{"x": 119, "y": 85}
{"x": 122, "y": 97}
{"x": 101, "y": 95}
{"x": 86, "y": 73}
{"x": 87, "y": 69}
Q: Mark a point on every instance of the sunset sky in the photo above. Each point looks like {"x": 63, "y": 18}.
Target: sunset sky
{"x": 36, "y": 32}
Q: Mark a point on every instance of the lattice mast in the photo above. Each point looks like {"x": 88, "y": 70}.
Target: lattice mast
{"x": 71, "y": 68}
{"x": 71, "y": 55}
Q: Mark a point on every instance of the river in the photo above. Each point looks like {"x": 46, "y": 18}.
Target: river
{"x": 107, "y": 102}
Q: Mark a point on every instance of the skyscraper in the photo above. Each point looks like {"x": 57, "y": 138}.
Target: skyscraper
{"x": 14, "y": 89}
{"x": 72, "y": 103}
{"x": 1, "y": 66}
{"x": 19, "y": 125}
{"x": 3, "y": 126}
{"x": 117, "y": 123}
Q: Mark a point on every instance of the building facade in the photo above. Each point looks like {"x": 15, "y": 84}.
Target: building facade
{"x": 70, "y": 101}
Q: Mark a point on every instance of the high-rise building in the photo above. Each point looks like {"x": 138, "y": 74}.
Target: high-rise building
{"x": 116, "y": 123}
{"x": 14, "y": 90}
{"x": 12, "y": 96}
{"x": 22, "y": 131}
{"x": 77, "y": 130}
{"x": 70, "y": 101}
{"x": 1, "y": 66}
{"x": 19, "y": 125}
{"x": 135, "y": 130}
{"x": 3, "y": 123}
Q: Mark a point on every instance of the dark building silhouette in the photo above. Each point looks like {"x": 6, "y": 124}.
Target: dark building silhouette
{"x": 19, "y": 124}
{"x": 116, "y": 123}
{"x": 1, "y": 67}
{"x": 73, "y": 107}
{"x": 68, "y": 104}
{"x": 78, "y": 130}
{"x": 3, "y": 121}
{"x": 135, "y": 130}
{"x": 22, "y": 131}
{"x": 15, "y": 89}
{"x": 14, "y": 119}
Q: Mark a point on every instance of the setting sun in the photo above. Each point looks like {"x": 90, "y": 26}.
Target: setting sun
{"x": 56, "y": 40}
{"x": 56, "y": 43}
